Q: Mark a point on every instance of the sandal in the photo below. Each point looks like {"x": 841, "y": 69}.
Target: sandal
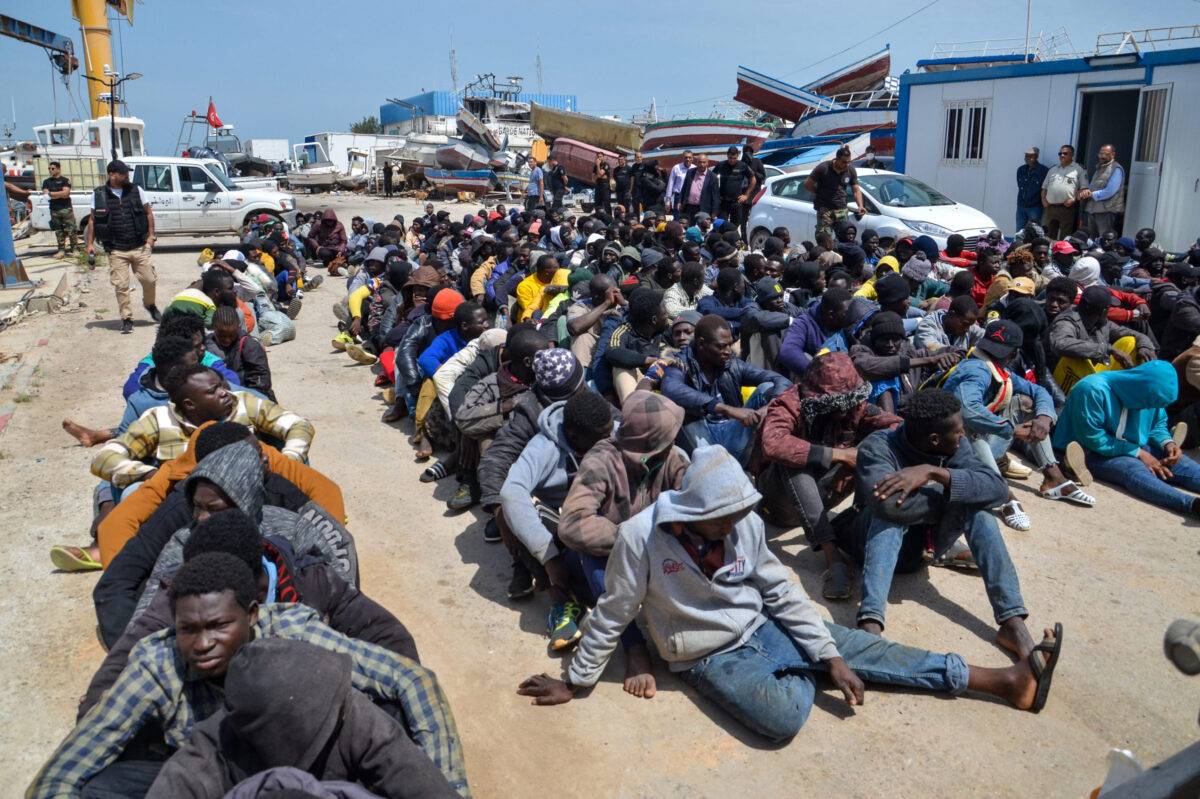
{"x": 958, "y": 556}
{"x": 1077, "y": 463}
{"x": 73, "y": 559}
{"x": 1044, "y": 672}
{"x": 435, "y": 472}
{"x": 1074, "y": 496}
{"x": 836, "y": 582}
{"x": 1012, "y": 514}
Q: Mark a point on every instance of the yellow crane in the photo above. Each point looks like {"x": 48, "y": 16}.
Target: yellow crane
{"x": 97, "y": 47}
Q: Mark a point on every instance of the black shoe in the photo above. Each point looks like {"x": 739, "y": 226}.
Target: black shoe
{"x": 126, "y": 326}
{"x": 521, "y": 584}
{"x": 491, "y": 532}
{"x": 154, "y": 313}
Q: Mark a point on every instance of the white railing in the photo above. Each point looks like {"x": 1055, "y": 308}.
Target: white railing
{"x": 884, "y": 98}
{"x": 1146, "y": 38}
{"x": 1043, "y": 46}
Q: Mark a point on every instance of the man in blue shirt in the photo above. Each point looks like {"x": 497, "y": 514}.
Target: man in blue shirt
{"x": 535, "y": 192}
{"x": 470, "y": 320}
{"x": 1029, "y": 189}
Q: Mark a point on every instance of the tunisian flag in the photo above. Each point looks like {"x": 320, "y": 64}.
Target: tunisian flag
{"x": 213, "y": 119}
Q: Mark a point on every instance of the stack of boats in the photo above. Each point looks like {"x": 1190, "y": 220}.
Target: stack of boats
{"x": 475, "y": 162}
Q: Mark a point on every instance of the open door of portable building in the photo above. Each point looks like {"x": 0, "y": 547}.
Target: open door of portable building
{"x": 1145, "y": 168}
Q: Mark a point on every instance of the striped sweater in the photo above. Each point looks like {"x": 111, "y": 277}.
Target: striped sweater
{"x": 161, "y": 434}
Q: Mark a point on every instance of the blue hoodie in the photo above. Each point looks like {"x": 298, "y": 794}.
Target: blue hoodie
{"x": 133, "y": 382}
{"x": 1117, "y": 413}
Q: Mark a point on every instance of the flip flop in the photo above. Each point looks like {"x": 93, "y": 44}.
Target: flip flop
{"x": 958, "y": 556}
{"x": 435, "y": 472}
{"x": 1044, "y": 672}
{"x": 73, "y": 559}
{"x": 1075, "y": 496}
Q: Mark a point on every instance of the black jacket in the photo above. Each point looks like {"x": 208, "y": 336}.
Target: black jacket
{"x": 710, "y": 195}
{"x": 116, "y": 594}
{"x": 418, "y": 336}
{"x": 341, "y": 605}
{"x": 248, "y": 358}
{"x": 1182, "y": 327}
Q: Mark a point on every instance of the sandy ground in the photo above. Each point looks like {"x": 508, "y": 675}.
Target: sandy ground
{"x": 1116, "y": 576}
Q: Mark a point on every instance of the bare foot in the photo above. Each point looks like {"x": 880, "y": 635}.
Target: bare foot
{"x": 85, "y": 435}
{"x": 870, "y": 626}
{"x": 1014, "y": 637}
{"x": 424, "y": 449}
{"x": 639, "y": 674}
{"x": 1025, "y": 685}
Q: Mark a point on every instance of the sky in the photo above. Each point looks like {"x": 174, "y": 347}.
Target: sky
{"x": 289, "y": 69}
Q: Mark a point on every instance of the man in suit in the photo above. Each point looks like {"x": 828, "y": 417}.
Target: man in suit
{"x": 700, "y": 191}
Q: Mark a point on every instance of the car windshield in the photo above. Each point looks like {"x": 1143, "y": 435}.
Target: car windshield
{"x": 900, "y": 191}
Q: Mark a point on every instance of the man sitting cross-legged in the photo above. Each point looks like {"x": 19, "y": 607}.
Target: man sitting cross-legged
{"x": 722, "y": 611}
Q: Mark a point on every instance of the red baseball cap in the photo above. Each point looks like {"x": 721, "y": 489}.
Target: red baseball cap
{"x": 1063, "y": 247}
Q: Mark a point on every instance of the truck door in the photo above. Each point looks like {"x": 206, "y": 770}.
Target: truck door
{"x": 202, "y": 201}
{"x": 159, "y": 184}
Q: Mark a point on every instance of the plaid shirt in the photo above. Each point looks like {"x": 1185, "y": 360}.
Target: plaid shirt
{"x": 161, "y": 434}
{"x": 157, "y": 684}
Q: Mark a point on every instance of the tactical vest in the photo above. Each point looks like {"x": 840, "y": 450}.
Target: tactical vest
{"x": 119, "y": 223}
{"x": 1114, "y": 204}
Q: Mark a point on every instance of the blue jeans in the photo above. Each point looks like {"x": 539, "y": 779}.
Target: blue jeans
{"x": 731, "y": 434}
{"x": 1135, "y": 477}
{"x": 768, "y": 683}
{"x": 881, "y": 551}
{"x": 593, "y": 572}
{"x": 1026, "y": 215}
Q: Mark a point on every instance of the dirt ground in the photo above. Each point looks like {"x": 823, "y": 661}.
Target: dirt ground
{"x": 1115, "y": 576}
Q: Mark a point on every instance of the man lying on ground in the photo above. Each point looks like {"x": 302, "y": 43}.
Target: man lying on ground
{"x": 723, "y": 613}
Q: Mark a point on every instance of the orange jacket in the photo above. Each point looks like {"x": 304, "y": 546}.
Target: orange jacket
{"x": 130, "y": 513}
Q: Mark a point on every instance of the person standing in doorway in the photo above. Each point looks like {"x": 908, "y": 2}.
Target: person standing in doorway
{"x": 829, "y": 182}
{"x": 62, "y": 217}
{"x": 123, "y": 221}
{"x": 1060, "y": 192}
{"x": 535, "y": 192}
{"x": 387, "y": 178}
{"x": 1030, "y": 176}
{"x": 1105, "y": 194}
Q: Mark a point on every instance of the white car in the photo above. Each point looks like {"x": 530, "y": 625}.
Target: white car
{"x": 188, "y": 197}
{"x": 897, "y": 206}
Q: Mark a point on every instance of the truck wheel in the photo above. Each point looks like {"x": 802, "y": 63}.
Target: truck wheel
{"x": 250, "y": 217}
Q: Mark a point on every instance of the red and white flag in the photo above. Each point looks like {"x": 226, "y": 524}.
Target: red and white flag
{"x": 213, "y": 119}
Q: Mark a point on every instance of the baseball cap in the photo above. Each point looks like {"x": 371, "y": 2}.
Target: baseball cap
{"x": 1095, "y": 298}
{"x": 1001, "y": 339}
{"x": 117, "y": 166}
{"x": 1023, "y": 285}
{"x": 691, "y": 316}
{"x": 1032, "y": 151}
{"x": 1063, "y": 247}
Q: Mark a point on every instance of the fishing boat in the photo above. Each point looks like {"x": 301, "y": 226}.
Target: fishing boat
{"x": 314, "y": 170}
{"x": 452, "y": 181}
{"x": 512, "y": 183}
{"x": 472, "y": 129}
{"x": 578, "y": 158}
{"x": 609, "y": 134}
{"x": 461, "y": 155}
{"x": 670, "y": 156}
{"x": 794, "y": 155}
{"x": 788, "y": 101}
{"x": 696, "y": 132}
{"x": 871, "y": 111}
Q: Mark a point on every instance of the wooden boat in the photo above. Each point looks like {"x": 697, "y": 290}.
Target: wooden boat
{"x": 451, "y": 181}
{"x": 788, "y": 101}
{"x": 461, "y": 155}
{"x": 608, "y": 134}
{"x": 695, "y": 132}
{"x": 578, "y": 158}
{"x": 670, "y": 156}
{"x": 472, "y": 129}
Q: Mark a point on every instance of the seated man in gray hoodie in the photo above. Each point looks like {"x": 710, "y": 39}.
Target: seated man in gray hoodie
{"x": 533, "y": 493}
{"x": 725, "y": 616}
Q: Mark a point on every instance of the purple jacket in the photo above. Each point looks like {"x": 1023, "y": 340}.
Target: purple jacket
{"x": 801, "y": 342}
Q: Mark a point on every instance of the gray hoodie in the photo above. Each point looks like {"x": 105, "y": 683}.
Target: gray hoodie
{"x": 237, "y": 470}
{"x": 544, "y": 471}
{"x": 688, "y": 615}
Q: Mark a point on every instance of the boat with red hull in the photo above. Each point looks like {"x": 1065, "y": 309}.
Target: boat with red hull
{"x": 787, "y": 101}
{"x": 685, "y": 132}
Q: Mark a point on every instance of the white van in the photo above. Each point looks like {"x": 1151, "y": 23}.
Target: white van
{"x": 188, "y": 197}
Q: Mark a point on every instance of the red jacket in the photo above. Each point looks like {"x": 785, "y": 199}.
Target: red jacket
{"x": 1121, "y": 314}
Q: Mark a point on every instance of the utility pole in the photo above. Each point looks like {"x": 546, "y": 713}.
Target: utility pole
{"x": 453, "y": 65}
{"x": 538, "y": 62}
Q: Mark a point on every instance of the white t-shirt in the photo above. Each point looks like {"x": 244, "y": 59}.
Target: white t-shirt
{"x": 119, "y": 193}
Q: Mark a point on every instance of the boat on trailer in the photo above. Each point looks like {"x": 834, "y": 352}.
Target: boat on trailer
{"x": 452, "y": 181}
{"x": 698, "y": 132}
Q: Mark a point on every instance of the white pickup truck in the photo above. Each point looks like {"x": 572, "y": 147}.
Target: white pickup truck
{"x": 188, "y": 197}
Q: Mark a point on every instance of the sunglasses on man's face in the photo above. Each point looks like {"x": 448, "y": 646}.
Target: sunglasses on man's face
{"x": 1064, "y": 154}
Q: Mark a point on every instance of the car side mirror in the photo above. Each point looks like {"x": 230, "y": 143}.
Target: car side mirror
{"x": 211, "y": 186}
